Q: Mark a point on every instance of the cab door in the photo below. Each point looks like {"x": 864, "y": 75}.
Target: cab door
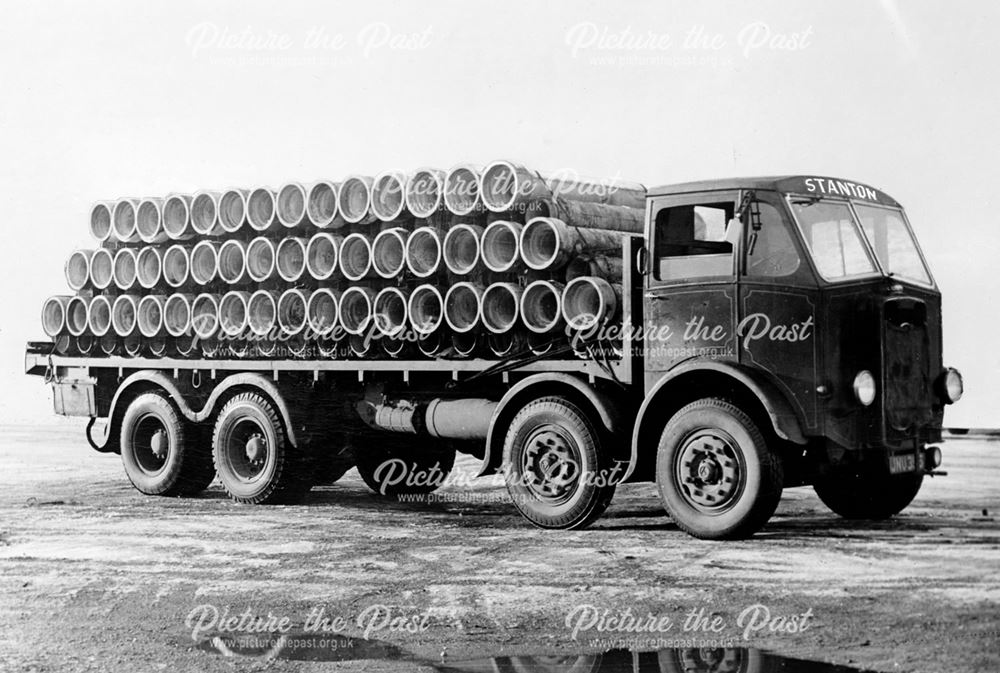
{"x": 690, "y": 292}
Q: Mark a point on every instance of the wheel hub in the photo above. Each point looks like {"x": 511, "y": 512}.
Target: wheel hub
{"x": 550, "y": 464}
{"x": 256, "y": 448}
{"x": 158, "y": 444}
{"x": 710, "y": 471}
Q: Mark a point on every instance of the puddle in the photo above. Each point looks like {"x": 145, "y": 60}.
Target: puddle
{"x": 315, "y": 647}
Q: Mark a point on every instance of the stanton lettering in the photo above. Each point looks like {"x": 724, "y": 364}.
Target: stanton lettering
{"x": 840, "y": 188}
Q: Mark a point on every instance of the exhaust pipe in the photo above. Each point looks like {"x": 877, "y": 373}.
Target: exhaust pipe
{"x": 389, "y": 311}
{"x": 77, "y": 269}
{"x": 290, "y": 258}
{"x": 423, "y": 252}
{"x": 76, "y": 316}
{"x": 321, "y": 255}
{"x": 426, "y": 309}
{"x": 123, "y": 315}
{"x": 234, "y": 312}
{"x": 260, "y": 259}
{"x": 465, "y": 345}
{"x": 205, "y": 214}
{"x": 100, "y": 221}
{"x": 262, "y": 312}
{"x": 608, "y": 268}
{"x": 99, "y": 315}
{"x": 261, "y": 210}
{"x": 291, "y": 205}
{"x": 541, "y": 306}
{"x": 124, "y": 268}
{"x": 499, "y": 307}
{"x": 176, "y": 265}
{"x": 232, "y": 262}
{"x": 499, "y": 246}
{"x": 461, "y": 190}
{"x": 148, "y": 267}
{"x": 355, "y": 200}
{"x": 389, "y": 195}
{"x": 149, "y": 315}
{"x": 321, "y": 205}
{"x": 233, "y": 210}
{"x": 355, "y": 257}
{"x": 547, "y": 243}
{"x": 293, "y": 311}
{"x": 102, "y": 266}
{"x": 123, "y": 220}
{"x": 462, "y": 248}
{"x": 425, "y": 192}
{"x": 177, "y": 314}
{"x": 204, "y": 262}
{"x": 205, "y": 315}
{"x": 589, "y": 302}
{"x": 356, "y": 309}
{"x": 322, "y": 310}
{"x": 149, "y": 221}
{"x": 389, "y": 252}
{"x": 462, "y": 306}
{"x": 590, "y": 215}
{"x": 177, "y": 217}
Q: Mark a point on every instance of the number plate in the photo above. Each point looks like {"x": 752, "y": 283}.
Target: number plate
{"x": 906, "y": 462}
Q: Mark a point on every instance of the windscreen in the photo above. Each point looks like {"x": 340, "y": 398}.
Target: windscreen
{"x": 892, "y": 242}
{"x": 833, "y": 238}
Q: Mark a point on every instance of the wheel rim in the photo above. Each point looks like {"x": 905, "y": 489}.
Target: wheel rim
{"x": 150, "y": 444}
{"x": 247, "y": 449}
{"x": 550, "y": 464}
{"x": 710, "y": 471}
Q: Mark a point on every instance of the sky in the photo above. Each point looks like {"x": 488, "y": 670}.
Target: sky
{"x": 106, "y": 99}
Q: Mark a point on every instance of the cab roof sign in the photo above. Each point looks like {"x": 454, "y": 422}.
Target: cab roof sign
{"x": 823, "y": 186}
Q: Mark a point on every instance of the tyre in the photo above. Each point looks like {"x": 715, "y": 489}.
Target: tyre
{"x": 160, "y": 451}
{"x": 868, "y": 493}
{"x": 253, "y": 457}
{"x": 735, "y": 659}
{"x": 556, "y": 470}
{"x": 717, "y": 476}
{"x": 392, "y": 467}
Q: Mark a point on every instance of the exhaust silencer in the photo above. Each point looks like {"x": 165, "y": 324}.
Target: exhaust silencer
{"x": 423, "y": 252}
{"x": 177, "y": 217}
{"x": 232, "y": 262}
{"x": 149, "y": 315}
{"x": 462, "y": 248}
{"x": 148, "y": 267}
{"x": 389, "y": 195}
{"x": 124, "y": 268}
{"x": 541, "y": 306}
{"x": 76, "y": 316}
{"x": 499, "y": 307}
{"x": 389, "y": 311}
{"x": 262, "y": 312}
{"x": 260, "y": 259}
{"x": 499, "y": 246}
{"x": 547, "y": 243}
{"x": 99, "y": 315}
{"x": 123, "y": 315}
{"x": 425, "y": 192}
{"x": 123, "y": 220}
{"x": 356, "y": 309}
{"x": 588, "y": 302}
{"x": 461, "y": 190}
{"x": 355, "y": 257}
{"x": 321, "y": 255}
{"x": 100, "y": 221}
{"x": 205, "y": 214}
{"x": 293, "y": 312}
{"x": 355, "y": 200}
{"x": 290, "y": 258}
{"x": 149, "y": 221}
{"x": 177, "y": 314}
{"x": 389, "y": 252}
{"x": 101, "y": 270}
{"x": 204, "y": 262}
{"x": 426, "y": 309}
{"x": 205, "y": 315}
{"x": 262, "y": 210}
{"x": 322, "y": 310}
{"x": 234, "y": 312}
{"x": 77, "y": 269}
{"x": 462, "y": 306}
{"x": 291, "y": 205}
{"x": 321, "y": 205}
{"x": 233, "y": 210}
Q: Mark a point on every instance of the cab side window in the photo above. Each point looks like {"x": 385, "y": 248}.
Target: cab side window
{"x": 691, "y": 241}
{"x": 771, "y": 253}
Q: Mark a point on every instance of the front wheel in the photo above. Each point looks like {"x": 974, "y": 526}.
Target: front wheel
{"x": 867, "y": 493}
{"x": 717, "y": 476}
{"x": 557, "y": 471}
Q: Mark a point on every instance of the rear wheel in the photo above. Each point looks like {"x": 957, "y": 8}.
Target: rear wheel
{"x": 160, "y": 450}
{"x": 253, "y": 457}
{"x": 867, "y": 493}
{"x": 557, "y": 472}
{"x": 397, "y": 467}
{"x": 717, "y": 476}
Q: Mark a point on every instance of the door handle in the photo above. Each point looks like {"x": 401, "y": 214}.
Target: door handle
{"x": 654, "y": 295}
